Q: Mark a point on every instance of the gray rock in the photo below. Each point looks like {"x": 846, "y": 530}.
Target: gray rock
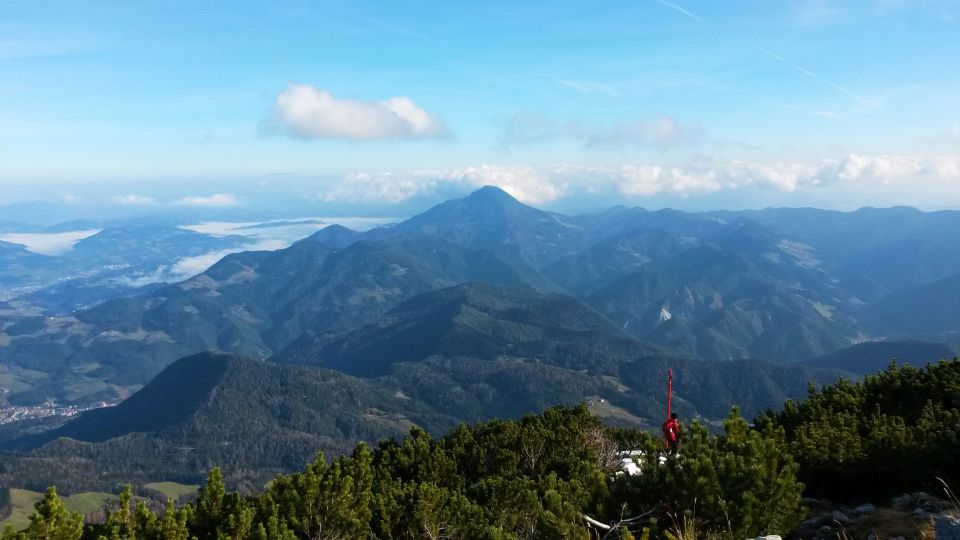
{"x": 872, "y": 537}
{"x": 825, "y": 532}
{"x": 946, "y": 527}
{"x": 770, "y": 537}
{"x": 841, "y": 518}
{"x": 920, "y": 513}
{"x": 865, "y": 509}
{"x": 902, "y": 502}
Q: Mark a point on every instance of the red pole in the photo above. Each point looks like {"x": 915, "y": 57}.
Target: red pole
{"x": 669, "y": 390}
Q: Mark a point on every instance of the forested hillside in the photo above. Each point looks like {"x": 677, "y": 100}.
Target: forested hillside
{"x": 256, "y": 418}
{"x": 252, "y": 418}
{"x": 543, "y": 475}
{"x": 532, "y": 478}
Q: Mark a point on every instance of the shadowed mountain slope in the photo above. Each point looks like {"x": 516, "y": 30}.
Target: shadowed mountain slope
{"x": 475, "y": 320}
{"x": 875, "y": 356}
{"x": 254, "y": 418}
{"x": 930, "y": 309}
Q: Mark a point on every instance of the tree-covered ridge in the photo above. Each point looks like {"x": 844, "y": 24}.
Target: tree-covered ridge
{"x": 543, "y": 476}
{"x": 258, "y": 419}
{"x": 536, "y": 477}
{"x": 890, "y": 433}
{"x": 253, "y": 418}
{"x": 475, "y": 320}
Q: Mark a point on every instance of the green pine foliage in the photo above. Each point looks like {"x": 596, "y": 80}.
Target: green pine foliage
{"x": 51, "y": 521}
{"x": 740, "y": 483}
{"x": 541, "y": 475}
{"x": 891, "y": 433}
{"x": 535, "y": 477}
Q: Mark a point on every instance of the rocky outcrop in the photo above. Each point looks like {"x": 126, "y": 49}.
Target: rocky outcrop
{"x": 911, "y": 515}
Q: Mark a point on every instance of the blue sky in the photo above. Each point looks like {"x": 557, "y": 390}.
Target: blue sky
{"x": 655, "y": 103}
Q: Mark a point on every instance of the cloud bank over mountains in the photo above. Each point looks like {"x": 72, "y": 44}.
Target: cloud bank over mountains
{"x": 544, "y": 184}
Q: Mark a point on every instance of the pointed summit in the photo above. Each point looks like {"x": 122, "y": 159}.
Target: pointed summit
{"x": 493, "y": 194}
{"x": 490, "y": 218}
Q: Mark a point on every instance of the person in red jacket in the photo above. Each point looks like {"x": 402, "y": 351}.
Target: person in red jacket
{"x": 671, "y": 433}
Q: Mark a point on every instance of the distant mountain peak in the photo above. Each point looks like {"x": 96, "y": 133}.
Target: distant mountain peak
{"x": 493, "y": 194}
{"x": 335, "y": 236}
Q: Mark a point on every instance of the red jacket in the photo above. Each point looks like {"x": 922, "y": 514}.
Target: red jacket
{"x": 671, "y": 430}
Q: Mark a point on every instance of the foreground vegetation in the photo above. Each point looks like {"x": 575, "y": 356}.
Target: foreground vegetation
{"x": 531, "y": 478}
{"x": 892, "y": 433}
{"x": 23, "y": 503}
{"x": 542, "y": 476}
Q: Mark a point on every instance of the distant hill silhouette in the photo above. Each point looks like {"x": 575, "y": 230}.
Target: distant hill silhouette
{"x": 875, "y": 356}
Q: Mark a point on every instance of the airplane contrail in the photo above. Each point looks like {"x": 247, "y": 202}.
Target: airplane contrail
{"x": 675, "y": 7}
{"x": 810, "y": 74}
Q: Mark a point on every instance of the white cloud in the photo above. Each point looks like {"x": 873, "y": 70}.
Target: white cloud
{"x": 133, "y": 200}
{"x": 187, "y": 267}
{"x": 307, "y": 112}
{"x": 159, "y": 275}
{"x": 548, "y": 183}
{"x": 217, "y": 199}
{"x": 48, "y": 243}
{"x": 190, "y": 266}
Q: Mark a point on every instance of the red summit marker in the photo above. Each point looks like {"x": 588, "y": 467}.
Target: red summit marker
{"x": 669, "y": 390}
{"x": 671, "y": 430}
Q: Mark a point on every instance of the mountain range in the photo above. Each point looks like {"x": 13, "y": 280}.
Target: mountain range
{"x": 712, "y": 286}
{"x": 479, "y": 307}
